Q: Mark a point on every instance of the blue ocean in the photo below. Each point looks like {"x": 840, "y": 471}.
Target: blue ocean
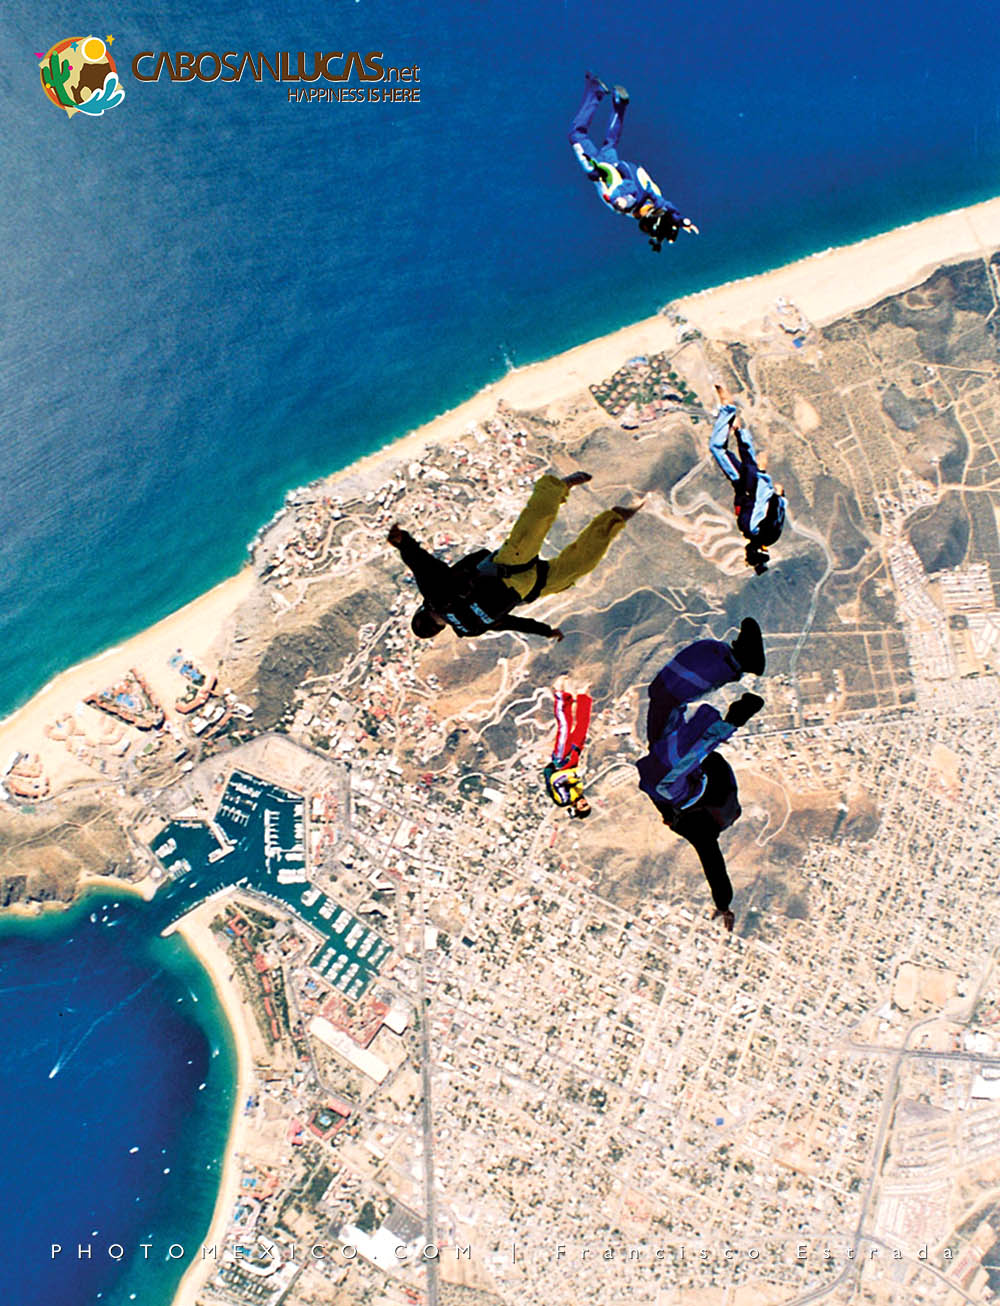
{"x": 213, "y": 294}
{"x": 116, "y": 1098}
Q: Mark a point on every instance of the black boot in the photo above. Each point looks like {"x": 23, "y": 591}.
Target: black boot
{"x": 743, "y": 709}
{"x": 748, "y": 647}
{"x": 621, "y": 97}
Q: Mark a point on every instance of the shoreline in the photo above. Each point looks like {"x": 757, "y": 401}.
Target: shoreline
{"x": 194, "y": 930}
{"x": 99, "y": 885}
{"x": 827, "y": 285}
{"x": 202, "y": 944}
{"x": 195, "y": 627}
{"x": 885, "y": 264}
{"x": 56, "y": 687}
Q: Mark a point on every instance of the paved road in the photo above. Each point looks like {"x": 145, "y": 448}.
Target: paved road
{"x": 430, "y": 1220}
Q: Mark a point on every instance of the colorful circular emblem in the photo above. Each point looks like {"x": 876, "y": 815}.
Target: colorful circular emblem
{"x": 79, "y": 75}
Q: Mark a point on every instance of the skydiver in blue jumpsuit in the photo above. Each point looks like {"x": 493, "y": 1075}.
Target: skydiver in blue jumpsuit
{"x": 623, "y": 186}
{"x": 759, "y": 504}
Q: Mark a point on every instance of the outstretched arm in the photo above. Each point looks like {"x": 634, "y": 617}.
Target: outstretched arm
{"x": 586, "y": 162}
{"x": 702, "y": 834}
{"x": 525, "y": 626}
{"x": 430, "y": 573}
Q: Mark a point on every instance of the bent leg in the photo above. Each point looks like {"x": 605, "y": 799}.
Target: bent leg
{"x": 529, "y": 531}
{"x": 560, "y": 746}
{"x": 615, "y": 125}
{"x": 744, "y": 443}
{"x": 583, "y": 555}
{"x": 664, "y": 713}
{"x": 718, "y": 443}
{"x": 580, "y": 126}
{"x": 696, "y": 670}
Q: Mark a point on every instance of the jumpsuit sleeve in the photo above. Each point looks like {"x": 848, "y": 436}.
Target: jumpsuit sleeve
{"x": 560, "y": 792}
{"x": 431, "y": 574}
{"x": 705, "y": 841}
{"x": 675, "y": 216}
{"x": 651, "y": 194}
{"x": 650, "y": 187}
{"x": 523, "y": 625}
{"x": 688, "y": 746}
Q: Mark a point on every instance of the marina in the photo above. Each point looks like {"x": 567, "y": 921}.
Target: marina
{"x": 257, "y": 841}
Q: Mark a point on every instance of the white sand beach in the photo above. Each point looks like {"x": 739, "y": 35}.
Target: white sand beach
{"x": 194, "y": 928}
{"x": 194, "y": 628}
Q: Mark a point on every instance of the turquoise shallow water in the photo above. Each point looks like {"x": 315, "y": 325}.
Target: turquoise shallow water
{"x": 117, "y": 1094}
{"x": 212, "y": 295}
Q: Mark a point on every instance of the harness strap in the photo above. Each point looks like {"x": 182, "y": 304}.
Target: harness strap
{"x": 505, "y": 569}
{"x": 541, "y": 580}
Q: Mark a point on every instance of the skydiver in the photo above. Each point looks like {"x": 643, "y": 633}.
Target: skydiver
{"x": 478, "y": 593}
{"x": 562, "y": 775}
{"x": 693, "y": 787}
{"x": 759, "y": 504}
{"x": 625, "y": 187}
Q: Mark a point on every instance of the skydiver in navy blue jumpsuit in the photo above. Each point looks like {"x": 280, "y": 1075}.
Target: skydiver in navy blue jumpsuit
{"x": 693, "y": 787}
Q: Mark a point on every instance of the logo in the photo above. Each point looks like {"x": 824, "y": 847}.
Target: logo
{"x": 283, "y": 66}
{"x": 79, "y": 75}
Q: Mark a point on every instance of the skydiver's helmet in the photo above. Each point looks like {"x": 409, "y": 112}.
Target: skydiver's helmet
{"x": 660, "y": 225}
{"x": 757, "y": 557}
{"x": 425, "y": 623}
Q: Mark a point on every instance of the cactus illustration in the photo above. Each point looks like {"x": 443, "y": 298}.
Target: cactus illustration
{"x": 55, "y": 78}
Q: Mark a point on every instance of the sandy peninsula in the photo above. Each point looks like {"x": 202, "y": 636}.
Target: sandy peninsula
{"x": 195, "y": 931}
